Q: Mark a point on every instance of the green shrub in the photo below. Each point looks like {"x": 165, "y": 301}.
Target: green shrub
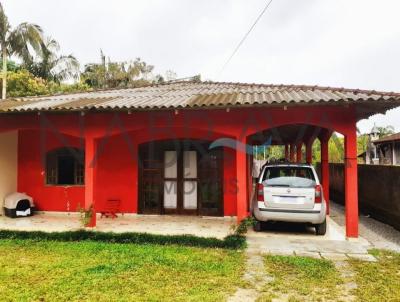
{"x": 241, "y": 228}
{"x": 85, "y": 216}
{"x": 229, "y": 242}
{"x": 23, "y": 83}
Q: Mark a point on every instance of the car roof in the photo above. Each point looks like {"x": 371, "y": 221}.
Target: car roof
{"x": 287, "y": 164}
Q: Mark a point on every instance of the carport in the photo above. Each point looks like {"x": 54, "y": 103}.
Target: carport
{"x": 112, "y": 130}
{"x": 299, "y": 123}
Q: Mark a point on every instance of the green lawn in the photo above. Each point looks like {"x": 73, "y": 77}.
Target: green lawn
{"x": 378, "y": 281}
{"x": 308, "y": 279}
{"x": 94, "y": 271}
{"x": 47, "y": 270}
{"x": 301, "y": 279}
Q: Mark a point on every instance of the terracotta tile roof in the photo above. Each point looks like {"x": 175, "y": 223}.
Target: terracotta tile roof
{"x": 178, "y": 95}
{"x": 389, "y": 138}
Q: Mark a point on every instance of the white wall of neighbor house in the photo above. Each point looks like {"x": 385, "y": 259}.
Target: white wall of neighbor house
{"x": 8, "y": 164}
{"x": 396, "y": 157}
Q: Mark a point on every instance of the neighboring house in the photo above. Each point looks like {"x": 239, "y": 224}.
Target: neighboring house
{"x": 383, "y": 151}
{"x": 179, "y": 148}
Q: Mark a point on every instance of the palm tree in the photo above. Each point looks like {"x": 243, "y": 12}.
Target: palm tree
{"x": 50, "y": 66}
{"x": 17, "y": 42}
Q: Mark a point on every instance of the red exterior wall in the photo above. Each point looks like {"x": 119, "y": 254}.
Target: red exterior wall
{"x": 115, "y": 174}
{"x": 31, "y": 174}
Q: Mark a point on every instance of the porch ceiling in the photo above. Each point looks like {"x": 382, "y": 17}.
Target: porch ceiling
{"x": 177, "y": 95}
{"x": 288, "y": 134}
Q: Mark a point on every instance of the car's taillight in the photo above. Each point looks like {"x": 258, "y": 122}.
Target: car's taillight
{"x": 260, "y": 192}
{"x": 318, "y": 194}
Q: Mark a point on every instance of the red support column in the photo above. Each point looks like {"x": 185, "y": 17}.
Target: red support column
{"x": 242, "y": 180}
{"x": 90, "y": 163}
{"x": 292, "y": 153}
{"x": 135, "y": 171}
{"x": 299, "y": 153}
{"x": 351, "y": 184}
{"x": 287, "y": 152}
{"x": 309, "y": 152}
{"x": 249, "y": 176}
{"x": 325, "y": 169}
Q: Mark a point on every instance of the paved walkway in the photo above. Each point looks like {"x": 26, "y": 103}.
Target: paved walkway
{"x": 256, "y": 277}
{"x": 378, "y": 234}
{"x": 154, "y": 224}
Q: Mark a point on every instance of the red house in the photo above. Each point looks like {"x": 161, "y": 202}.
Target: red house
{"x": 177, "y": 148}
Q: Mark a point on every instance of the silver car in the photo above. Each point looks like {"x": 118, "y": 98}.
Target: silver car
{"x": 289, "y": 192}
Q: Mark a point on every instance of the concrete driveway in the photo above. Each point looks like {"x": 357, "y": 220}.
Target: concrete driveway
{"x": 298, "y": 239}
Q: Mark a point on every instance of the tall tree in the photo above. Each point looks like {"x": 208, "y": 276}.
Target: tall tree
{"x": 17, "y": 42}
{"x": 51, "y": 66}
{"x": 385, "y": 131}
{"x": 117, "y": 74}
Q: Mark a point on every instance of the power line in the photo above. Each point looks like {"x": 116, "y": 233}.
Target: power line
{"x": 245, "y": 37}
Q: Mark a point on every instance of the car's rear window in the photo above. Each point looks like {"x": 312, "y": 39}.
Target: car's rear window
{"x": 294, "y": 177}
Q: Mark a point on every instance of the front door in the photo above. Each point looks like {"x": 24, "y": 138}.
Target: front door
{"x": 180, "y": 178}
{"x": 180, "y": 182}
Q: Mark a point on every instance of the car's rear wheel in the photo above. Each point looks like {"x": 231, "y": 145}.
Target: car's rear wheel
{"x": 257, "y": 226}
{"x": 321, "y": 228}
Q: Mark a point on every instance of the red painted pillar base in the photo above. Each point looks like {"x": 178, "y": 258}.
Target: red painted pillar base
{"x": 90, "y": 164}
{"x": 325, "y": 170}
{"x": 241, "y": 177}
{"x": 292, "y": 153}
{"x": 299, "y": 153}
{"x": 351, "y": 185}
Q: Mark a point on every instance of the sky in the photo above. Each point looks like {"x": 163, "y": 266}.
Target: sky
{"x": 339, "y": 43}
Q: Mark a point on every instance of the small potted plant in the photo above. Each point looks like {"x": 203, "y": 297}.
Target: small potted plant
{"x": 85, "y": 215}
